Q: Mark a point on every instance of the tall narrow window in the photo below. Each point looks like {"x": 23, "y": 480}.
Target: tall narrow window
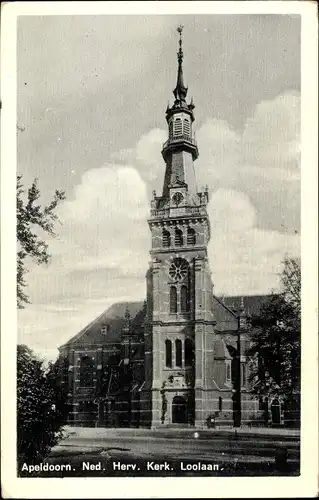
{"x": 166, "y": 238}
{"x": 189, "y": 351}
{"x": 243, "y": 374}
{"x": 187, "y": 129}
{"x": 184, "y": 299}
{"x": 228, "y": 371}
{"x": 178, "y": 353}
{"x": 178, "y": 238}
{"x": 178, "y": 127}
{"x": 220, "y": 403}
{"x": 86, "y": 371}
{"x": 168, "y": 353}
{"x": 191, "y": 236}
{"x": 173, "y": 299}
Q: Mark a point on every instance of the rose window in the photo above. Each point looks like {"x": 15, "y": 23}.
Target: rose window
{"x": 178, "y": 270}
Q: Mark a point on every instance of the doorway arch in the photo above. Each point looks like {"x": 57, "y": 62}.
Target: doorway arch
{"x": 275, "y": 411}
{"x": 179, "y": 410}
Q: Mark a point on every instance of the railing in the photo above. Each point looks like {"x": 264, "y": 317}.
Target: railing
{"x": 182, "y": 212}
{"x": 179, "y": 138}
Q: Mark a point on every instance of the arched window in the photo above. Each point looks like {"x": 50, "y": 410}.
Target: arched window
{"x": 178, "y": 130}
{"x": 170, "y": 129}
{"x": 178, "y": 353}
{"x": 178, "y": 238}
{"x": 86, "y": 372}
{"x": 187, "y": 128}
{"x": 168, "y": 353}
{"x": 243, "y": 374}
{"x": 166, "y": 238}
{"x": 220, "y": 403}
{"x": 191, "y": 236}
{"x": 189, "y": 351}
{"x": 184, "y": 299}
{"x": 228, "y": 371}
{"x": 173, "y": 299}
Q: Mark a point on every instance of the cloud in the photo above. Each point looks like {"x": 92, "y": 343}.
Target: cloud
{"x": 271, "y": 137}
{"x": 244, "y": 259}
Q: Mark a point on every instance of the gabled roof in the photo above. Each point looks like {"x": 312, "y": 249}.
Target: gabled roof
{"x": 226, "y": 319}
{"x": 252, "y": 303}
{"x": 113, "y": 317}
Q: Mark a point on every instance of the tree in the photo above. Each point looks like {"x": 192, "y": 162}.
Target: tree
{"x": 275, "y": 348}
{"x": 30, "y": 218}
{"x": 40, "y": 408}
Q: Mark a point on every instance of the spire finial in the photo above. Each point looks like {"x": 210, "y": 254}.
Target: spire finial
{"x": 127, "y": 320}
{"x": 180, "y": 52}
{"x": 180, "y": 90}
{"x": 127, "y": 312}
{"x": 242, "y": 307}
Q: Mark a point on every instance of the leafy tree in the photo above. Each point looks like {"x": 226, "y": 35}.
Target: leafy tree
{"x": 31, "y": 217}
{"x": 275, "y": 349}
{"x": 40, "y": 408}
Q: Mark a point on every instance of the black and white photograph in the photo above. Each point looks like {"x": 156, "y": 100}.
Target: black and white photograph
{"x": 160, "y": 282}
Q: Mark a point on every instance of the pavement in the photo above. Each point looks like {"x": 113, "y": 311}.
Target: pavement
{"x": 272, "y": 432}
{"x": 246, "y": 452}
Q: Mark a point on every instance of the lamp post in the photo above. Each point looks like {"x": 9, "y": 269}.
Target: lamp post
{"x": 130, "y": 381}
{"x": 127, "y": 331}
{"x": 237, "y": 416}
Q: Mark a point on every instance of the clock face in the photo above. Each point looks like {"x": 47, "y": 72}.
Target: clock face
{"x": 178, "y": 198}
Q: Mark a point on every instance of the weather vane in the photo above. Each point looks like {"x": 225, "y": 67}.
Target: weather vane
{"x": 180, "y": 52}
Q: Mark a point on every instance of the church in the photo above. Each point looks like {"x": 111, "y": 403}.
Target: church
{"x": 179, "y": 358}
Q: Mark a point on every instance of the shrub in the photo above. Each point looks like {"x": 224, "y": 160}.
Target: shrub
{"x": 39, "y": 420}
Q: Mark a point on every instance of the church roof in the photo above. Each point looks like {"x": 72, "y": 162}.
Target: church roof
{"x": 113, "y": 318}
{"x": 251, "y": 303}
{"x": 225, "y": 310}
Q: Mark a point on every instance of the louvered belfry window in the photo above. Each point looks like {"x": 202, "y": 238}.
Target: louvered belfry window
{"x": 166, "y": 238}
{"x": 178, "y": 127}
{"x": 170, "y": 129}
{"x": 187, "y": 129}
{"x": 178, "y": 238}
{"x": 191, "y": 237}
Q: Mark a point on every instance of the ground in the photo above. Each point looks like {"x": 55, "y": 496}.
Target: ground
{"x": 94, "y": 451}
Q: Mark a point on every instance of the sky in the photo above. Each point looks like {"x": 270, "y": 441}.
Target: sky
{"x": 92, "y": 95}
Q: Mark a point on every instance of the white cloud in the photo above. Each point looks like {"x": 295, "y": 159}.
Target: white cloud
{"x": 244, "y": 259}
{"x": 272, "y": 135}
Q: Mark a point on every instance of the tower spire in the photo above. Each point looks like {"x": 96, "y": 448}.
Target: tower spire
{"x": 180, "y": 90}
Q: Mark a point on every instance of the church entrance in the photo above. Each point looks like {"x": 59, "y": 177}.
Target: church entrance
{"x": 179, "y": 410}
{"x": 275, "y": 412}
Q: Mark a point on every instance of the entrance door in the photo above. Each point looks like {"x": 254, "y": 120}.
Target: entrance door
{"x": 179, "y": 410}
{"x": 275, "y": 411}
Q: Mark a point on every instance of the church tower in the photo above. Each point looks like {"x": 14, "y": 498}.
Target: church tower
{"x": 179, "y": 325}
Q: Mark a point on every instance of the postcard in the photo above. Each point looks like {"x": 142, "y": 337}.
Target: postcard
{"x": 159, "y": 236}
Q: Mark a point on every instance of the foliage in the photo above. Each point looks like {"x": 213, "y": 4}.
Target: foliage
{"x": 275, "y": 348}
{"x": 40, "y": 408}
{"x": 30, "y": 218}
